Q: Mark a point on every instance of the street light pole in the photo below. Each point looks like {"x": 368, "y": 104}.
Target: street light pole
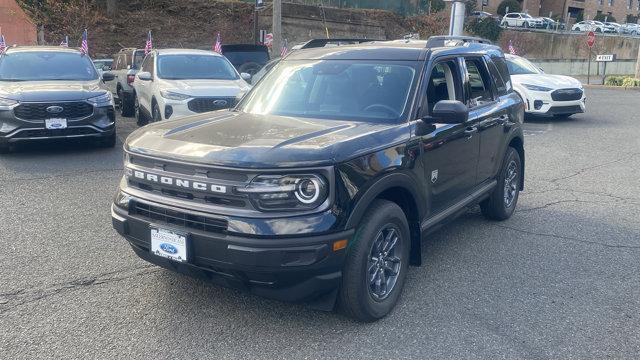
{"x": 277, "y": 26}
{"x": 456, "y": 23}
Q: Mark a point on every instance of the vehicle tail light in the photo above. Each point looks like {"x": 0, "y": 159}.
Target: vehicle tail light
{"x": 130, "y": 79}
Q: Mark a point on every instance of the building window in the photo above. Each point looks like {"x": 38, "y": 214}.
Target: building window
{"x": 610, "y": 2}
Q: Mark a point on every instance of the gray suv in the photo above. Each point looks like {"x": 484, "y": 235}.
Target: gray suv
{"x": 126, "y": 63}
{"x": 53, "y": 93}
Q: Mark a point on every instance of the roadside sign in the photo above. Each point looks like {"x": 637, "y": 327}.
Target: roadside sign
{"x": 606, "y": 58}
{"x": 591, "y": 39}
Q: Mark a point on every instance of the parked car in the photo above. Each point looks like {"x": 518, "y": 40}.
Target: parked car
{"x": 545, "y": 94}
{"x": 480, "y": 14}
{"x": 551, "y": 24}
{"x": 629, "y": 29}
{"x": 246, "y": 58}
{"x": 521, "y": 20}
{"x": 173, "y": 83}
{"x": 53, "y": 93}
{"x": 321, "y": 182}
{"x": 595, "y": 26}
{"x": 614, "y": 27}
{"x": 125, "y": 66}
{"x": 103, "y": 64}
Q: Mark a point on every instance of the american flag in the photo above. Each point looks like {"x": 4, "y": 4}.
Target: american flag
{"x": 65, "y": 42}
{"x": 218, "y": 45}
{"x": 84, "y": 48}
{"x": 149, "y": 45}
{"x": 285, "y": 48}
{"x": 3, "y": 45}
{"x": 512, "y": 50}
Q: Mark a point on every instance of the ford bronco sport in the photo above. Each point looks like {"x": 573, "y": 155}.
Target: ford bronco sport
{"x": 318, "y": 186}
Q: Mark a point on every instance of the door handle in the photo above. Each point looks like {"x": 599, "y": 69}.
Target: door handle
{"x": 469, "y": 131}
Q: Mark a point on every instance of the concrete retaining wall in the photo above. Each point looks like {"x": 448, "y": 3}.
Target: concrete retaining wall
{"x": 580, "y": 67}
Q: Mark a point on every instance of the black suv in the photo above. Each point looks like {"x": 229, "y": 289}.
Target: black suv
{"x": 319, "y": 184}
{"x": 53, "y": 93}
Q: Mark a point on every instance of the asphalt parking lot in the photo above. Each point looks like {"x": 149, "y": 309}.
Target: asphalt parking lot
{"x": 558, "y": 280}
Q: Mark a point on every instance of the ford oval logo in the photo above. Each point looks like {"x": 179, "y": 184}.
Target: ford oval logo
{"x": 220, "y": 103}
{"x": 55, "y": 109}
{"x": 168, "y": 248}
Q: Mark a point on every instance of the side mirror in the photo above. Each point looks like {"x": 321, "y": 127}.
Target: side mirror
{"x": 450, "y": 112}
{"x": 107, "y": 76}
{"x": 145, "y": 76}
{"x": 245, "y": 76}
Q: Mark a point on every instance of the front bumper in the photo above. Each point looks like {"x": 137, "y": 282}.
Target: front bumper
{"x": 285, "y": 268}
{"x": 541, "y": 103}
{"x": 101, "y": 123}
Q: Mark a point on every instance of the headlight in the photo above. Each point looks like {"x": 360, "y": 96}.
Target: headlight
{"x": 122, "y": 200}
{"x": 105, "y": 99}
{"x": 173, "y": 95}
{"x": 287, "y": 193}
{"x": 7, "y": 102}
{"x": 537, "y": 88}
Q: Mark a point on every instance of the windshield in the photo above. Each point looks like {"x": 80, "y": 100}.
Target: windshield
{"x": 526, "y": 16}
{"x": 46, "y": 65}
{"x": 521, "y": 66}
{"x": 238, "y": 58}
{"x": 138, "y": 57}
{"x": 189, "y": 66}
{"x": 334, "y": 89}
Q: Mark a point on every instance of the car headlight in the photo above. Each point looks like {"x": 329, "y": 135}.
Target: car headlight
{"x": 536, "y": 88}
{"x": 122, "y": 200}
{"x": 287, "y": 192}
{"x": 4, "y": 102}
{"x": 105, "y": 99}
{"x": 171, "y": 95}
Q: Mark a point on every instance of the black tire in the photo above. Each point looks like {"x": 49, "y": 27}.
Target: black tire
{"x": 155, "y": 112}
{"x": 525, "y": 25}
{"x": 141, "y": 118}
{"x": 109, "y": 141}
{"x": 357, "y": 299}
{"x": 250, "y": 68}
{"x": 126, "y": 104}
{"x": 496, "y": 207}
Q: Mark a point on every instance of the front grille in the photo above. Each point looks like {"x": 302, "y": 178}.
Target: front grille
{"x": 566, "y": 95}
{"x": 177, "y": 218}
{"x": 201, "y": 105}
{"x": 559, "y": 110}
{"x": 38, "y": 133}
{"x": 38, "y": 111}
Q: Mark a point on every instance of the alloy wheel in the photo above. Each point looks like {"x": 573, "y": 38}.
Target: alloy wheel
{"x": 384, "y": 263}
{"x": 510, "y": 184}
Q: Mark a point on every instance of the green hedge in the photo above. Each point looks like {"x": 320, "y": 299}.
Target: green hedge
{"x": 626, "y": 81}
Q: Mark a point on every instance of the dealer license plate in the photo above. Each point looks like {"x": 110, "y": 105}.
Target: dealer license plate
{"x": 55, "y": 124}
{"x": 169, "y": 244}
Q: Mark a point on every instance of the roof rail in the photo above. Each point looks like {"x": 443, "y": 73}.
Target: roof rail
{"x": 318, "y": 43}
{"x": 441, "y": 41}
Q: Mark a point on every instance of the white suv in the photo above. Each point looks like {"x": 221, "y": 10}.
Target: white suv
{"x": 173, "y": 83}
{"x": 521, "y": 20}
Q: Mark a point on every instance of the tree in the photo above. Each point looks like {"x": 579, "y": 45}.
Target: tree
{"x": 436, "y": 5}
{"x": 603, "y": 18}
{"x": 513, "y": 5}
{"x": 580, "y": 16}
{"x": 112, "y": 8}
{"x": 632, "y": 19}
{"x": 487, "y": 28}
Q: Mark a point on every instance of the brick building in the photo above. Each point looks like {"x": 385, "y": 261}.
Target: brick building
{"x": 529, "y": 6}
{"x": 619, "y": 9}
{"x": 15, "y": 25}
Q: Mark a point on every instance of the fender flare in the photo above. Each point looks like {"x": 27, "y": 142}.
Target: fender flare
{"x": 388, "y": 181}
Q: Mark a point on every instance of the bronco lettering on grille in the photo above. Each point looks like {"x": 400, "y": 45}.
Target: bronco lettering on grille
{"x": 180, "y": 183}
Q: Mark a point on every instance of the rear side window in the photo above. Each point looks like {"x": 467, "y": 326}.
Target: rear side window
{"x": 480, "y": 92}
{"x": 501, "y": 87}
{"x": 503, "y": 70}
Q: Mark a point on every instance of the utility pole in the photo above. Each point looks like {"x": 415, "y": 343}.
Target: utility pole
{"x": 638, "y": 65}
{"x": 277, "y": 27}
{"x": 456, "y": 23}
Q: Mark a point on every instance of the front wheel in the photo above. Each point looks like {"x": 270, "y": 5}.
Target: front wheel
{"x": 156, "y": 113}
{"x": 127, "y": 106}
{"x": 141, "y": 119}
{"x": 377, "y": 263}
{"x": 503, "y": 200}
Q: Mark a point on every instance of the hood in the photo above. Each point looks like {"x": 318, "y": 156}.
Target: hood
{"x": 546, "y": 80}
{"x": 50, "y": 90}
{"x": 235, "y": 139}
{"x": 205, "y": 88}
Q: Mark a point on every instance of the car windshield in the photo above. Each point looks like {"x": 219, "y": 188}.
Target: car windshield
{"x": 138, "y": 57}
{"x": 194, "y": 66}
{"x": 238, "y": 58}
{"x": 334, "y": 89}
{"x": 521, "y": 66}
{"x": 526, "y": 16}
{"x": 46, "y": 65}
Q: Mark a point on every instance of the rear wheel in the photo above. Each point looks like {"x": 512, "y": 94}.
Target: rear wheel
{"x": 377, "y": 263}
{"x": 504, "y": 198}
